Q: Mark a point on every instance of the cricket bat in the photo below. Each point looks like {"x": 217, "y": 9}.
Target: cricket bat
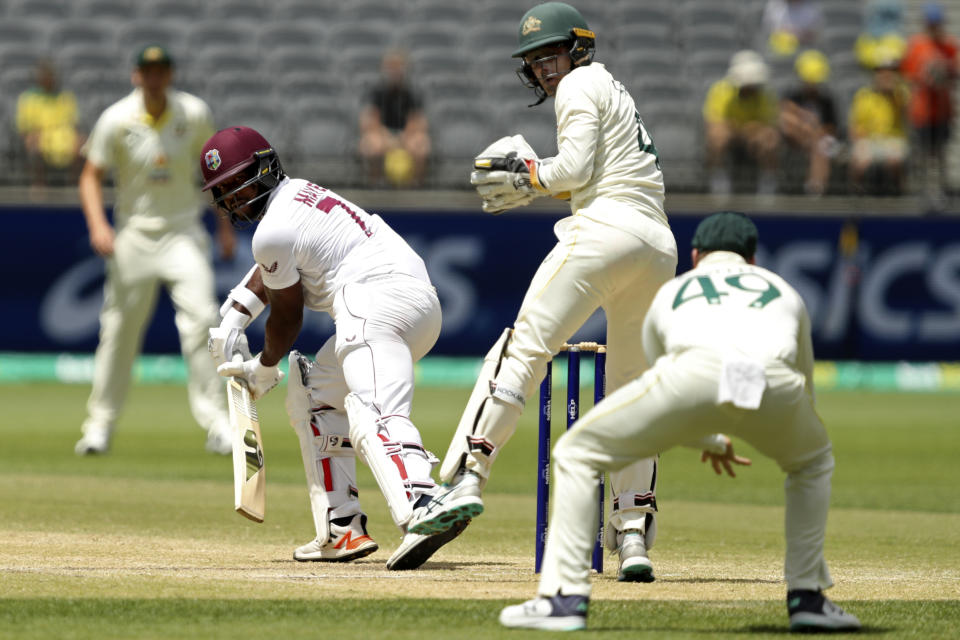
{"x": 249, "y": 479}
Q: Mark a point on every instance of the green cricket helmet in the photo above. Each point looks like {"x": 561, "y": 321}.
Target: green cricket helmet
{"x": 553, "y": 23}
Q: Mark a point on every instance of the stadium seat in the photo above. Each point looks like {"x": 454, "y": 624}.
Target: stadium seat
{"x": 427, "y": 11}
{"x": 434, "y": 34}
{"x": 307, "y": 35}
{"x": 303, "y": 91}
{"x": 188, "y": 11}
{"x": 42, "y": 9}
{"x": 136, "y": 35}
{"x": 283, "y": 60}
{"x": 248, "y": 11}
{"x": 15, "y": 80}
{"x": 364, "y": 11}
{"x": 322, "y": 129}
{"x": 659, "y": 13}
{"x": 208, "y": 33}
{"x": 95, "y": 33}
{"x": 537, "y": 125}
{"x": 367, "y": 35}
{"x": 23, "y": 33}
{"x": 16, "y": 56}
{"x": 306, "y": 10}
{"x": 250, "y": 111}
{"x": 723, "y": 39}
{"x": 227, "y": 59}
{"x": 103, "y": 59}
{"x": 425, "y": 61}
{"x": 109, "y": 11}
{"x": 232, "y": 88}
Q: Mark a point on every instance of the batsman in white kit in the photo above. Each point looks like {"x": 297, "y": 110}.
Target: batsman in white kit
{"x": 731, "y": 347}
{"x": 317, "y": 250}
{"x": 613, "y": 252}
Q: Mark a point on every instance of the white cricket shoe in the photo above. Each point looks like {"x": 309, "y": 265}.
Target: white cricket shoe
{"x": 556, "y": 613}
{"x": 811, "y": 611}
{"x": 95, "y": 440}
{"x": 635, "y": 565}
{"x": 458, "y": 502}
{"x": 219, "y": 441}
{"x": 348, "y": 541}
{"x": 416, "y": 549}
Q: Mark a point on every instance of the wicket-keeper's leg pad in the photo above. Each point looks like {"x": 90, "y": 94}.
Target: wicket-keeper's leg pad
{"x": 328, "y": 458}
{"x": 245, "y": 297}
{"x": 488, "y": 421}
{"x": 371, "y": 439}
{"x": 634, "y": 502}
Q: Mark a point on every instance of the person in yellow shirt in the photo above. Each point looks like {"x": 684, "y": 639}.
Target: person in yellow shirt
{"x": 47, "y": 124}
{"x": 878, "y": 131}
{"x": 740, "y": 118}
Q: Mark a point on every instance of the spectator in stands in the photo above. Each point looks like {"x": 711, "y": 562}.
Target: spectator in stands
{"x": 150, "y": 140}
{"x": 882, "y": 37}
{"x": 877, "y": 127}
{"x": 47, "y": 124}
{"x": 808, "y": 119}
{"x": 930, "y": 66}
{"x": 394, "y": 136}
{"x": 740, "y": 118}
{"x": 791, "y": 24}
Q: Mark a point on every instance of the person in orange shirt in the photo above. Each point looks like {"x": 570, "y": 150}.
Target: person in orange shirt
{"x": 930, "y": 65}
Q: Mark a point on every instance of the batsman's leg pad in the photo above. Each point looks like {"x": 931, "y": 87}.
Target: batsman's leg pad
{"x": 328, "y": 457}
{"x": 418, "y": 462}
{"x": 635, "y": 501}
{"x": 488, "y": 421}
{"x": 371, "y": 441}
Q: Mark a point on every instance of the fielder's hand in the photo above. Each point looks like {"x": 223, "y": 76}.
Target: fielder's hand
{"x": 259, "y": 379}
{"x": 226, "y": 342}
{"x": 724, "y": 460}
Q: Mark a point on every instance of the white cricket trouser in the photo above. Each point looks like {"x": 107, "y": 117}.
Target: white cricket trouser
{"x": 593, "y": 265}
{"x": 383, "y": 327}
{"x": 675, "y": 403}
{"x": 141, "y": 263}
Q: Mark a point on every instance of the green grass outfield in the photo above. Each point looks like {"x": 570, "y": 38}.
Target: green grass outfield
{"x": 144, "y": 543}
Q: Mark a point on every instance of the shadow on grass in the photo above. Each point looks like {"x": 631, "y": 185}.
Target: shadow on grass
{"x": 720, "y": 580}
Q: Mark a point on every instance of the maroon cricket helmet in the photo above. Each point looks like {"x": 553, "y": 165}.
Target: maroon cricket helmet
{"x": 233, "y": 151}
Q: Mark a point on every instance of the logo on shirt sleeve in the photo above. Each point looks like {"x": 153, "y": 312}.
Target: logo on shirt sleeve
{"x": 272, "y": 268}
{"x": 212, "y": 158}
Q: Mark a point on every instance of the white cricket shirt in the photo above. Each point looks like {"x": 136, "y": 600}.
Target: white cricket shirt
{"x": 603, "y": 149}
{"x": 312, "y": 235}
{"x": 155, "y": 164}
{"x": 732, "y": 308}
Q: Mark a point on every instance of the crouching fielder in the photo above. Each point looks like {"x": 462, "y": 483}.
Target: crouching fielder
{"x": 316, "y": 250}
{"x": 732, "y": 351}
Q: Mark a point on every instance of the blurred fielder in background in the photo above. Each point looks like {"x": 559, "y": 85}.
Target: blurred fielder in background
{"x": 613, "y": 253}
{"x": 316, "y": 249}
{"x": 731, "y": 348}
{"x": 150, "y": 140}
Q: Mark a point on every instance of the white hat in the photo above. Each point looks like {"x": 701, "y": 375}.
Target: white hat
{"x": 747, "y": 68}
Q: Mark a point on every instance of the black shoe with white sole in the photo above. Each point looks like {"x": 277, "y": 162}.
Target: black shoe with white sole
{"x": 415, "y": 549}
{"x": 811, "y": 611}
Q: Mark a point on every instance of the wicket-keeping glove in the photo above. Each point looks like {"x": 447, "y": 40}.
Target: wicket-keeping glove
{"x": 259, "y": 379}
{"x": 505, "y": 174}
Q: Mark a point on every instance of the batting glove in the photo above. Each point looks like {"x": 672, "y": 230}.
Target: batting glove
{"x": 259, "y": 379}
{"x": 226, "y": 342}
